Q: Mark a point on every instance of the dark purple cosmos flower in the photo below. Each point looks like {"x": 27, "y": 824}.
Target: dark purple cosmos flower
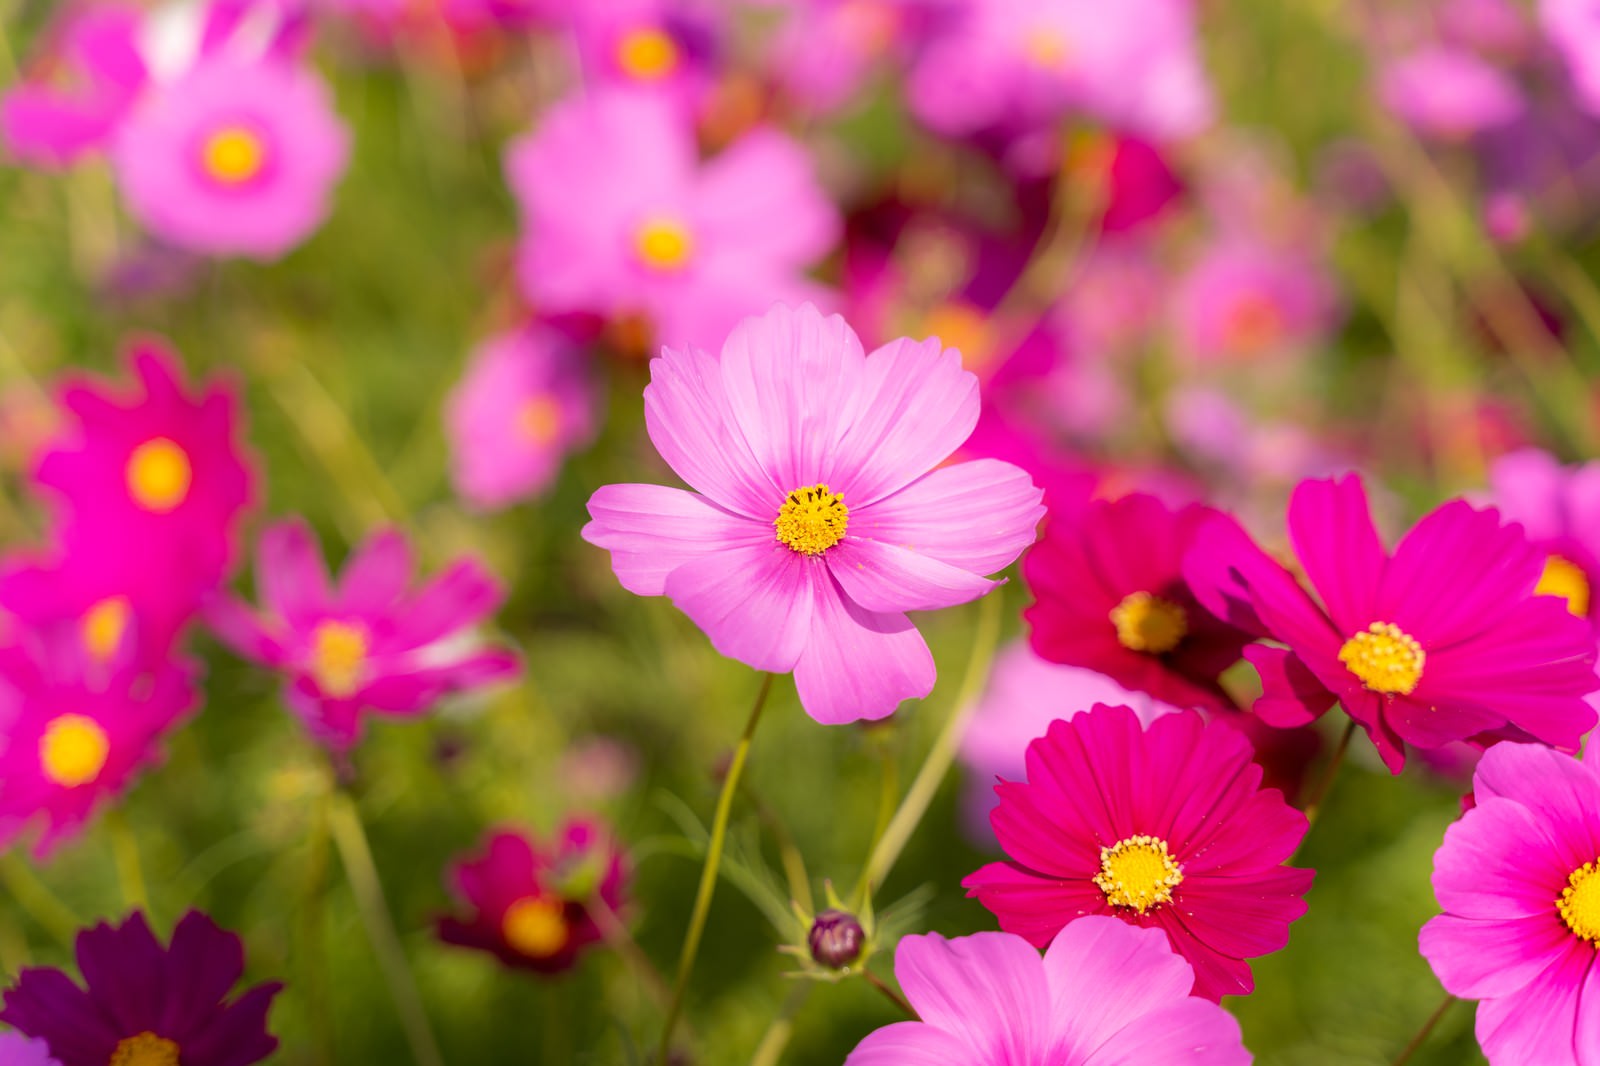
{"x": 147, "y": 1005}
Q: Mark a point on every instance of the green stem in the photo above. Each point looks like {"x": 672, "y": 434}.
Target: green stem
{"x": 1325, "y": 783}
{"x": 776, "y": 1039}
{"x": 1422, "y": 1034}
{"x": 350, "y": 838}
{"x": 125, "y": 854}
{"x": 708, "y": 873}
{"x": 36, "y": 899}
{"x": 313, "y": 934}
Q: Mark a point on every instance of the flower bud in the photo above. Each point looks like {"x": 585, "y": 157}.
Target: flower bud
{"x": 835, "y": 939}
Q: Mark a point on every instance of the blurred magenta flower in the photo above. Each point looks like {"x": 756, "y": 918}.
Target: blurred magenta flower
{"x": 1517, "y": 882}
{"x": 1164, "y": 826}
{"x": 1442, "y": 640}
{"x": 235, "y": 157}
{"x": 621, "y": 219}
{"x": 826, "y": 51}
{"x": 1448, "y": 93}
{"x": 18, "y": 1050}
{"x": 147, "y": 1005}
{"x": 1110, "y": 597}
{"x": 367, "y": 643}
{"x": 525, "y": 402}
{"x": 529, "y": 903}
{"x": 1245, "y": 300}
{"x": 668, "y": 48}
{"x": 1103, "y": 994}
{"x": 818, "y": 517}
{"x": 76, "y": 728}
{"x": 1559, "y": 508}
{"x": 1573, "y": 28}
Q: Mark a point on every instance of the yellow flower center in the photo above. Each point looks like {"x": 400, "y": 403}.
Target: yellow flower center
{"x": 1047, "y": 47}
{"x": 1253, "y": 325}
{"x": 536, "y": 926}
{"x": 1385, "y": 658}
{"x": 961, "y": 326}
{"x": 648, "y": 54}
{"x": 664, "y": 244}
{"x": 1138, "y": 873}
{"x": 146, "y": 1049}
{"x": 159, "y": 475}
{"x": 1149, "y": 623}
{"x": 233, "y": 155}
{"x": 1564, "y": 578}
{"x": 338, "y": 658}
{"x": 73, "y": 750}
{"x": 1579, "y": 904}
{"x": 812, "y": 520}
{"x": 103, "y": 626}
{"x": 539, "y": 420}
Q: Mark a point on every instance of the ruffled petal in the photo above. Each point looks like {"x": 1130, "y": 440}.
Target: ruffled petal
{"x": 651, "y": 530}
{"x": 857, "y": 664}
{"x": 755, "y": 601}
{"x": 886, "y": 579}
{"x": 1104, "y": 975}
{"x": 987, "y": 989}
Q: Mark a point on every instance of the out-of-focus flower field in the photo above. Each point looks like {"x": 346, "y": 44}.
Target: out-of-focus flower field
{"x": 380, "y": 283}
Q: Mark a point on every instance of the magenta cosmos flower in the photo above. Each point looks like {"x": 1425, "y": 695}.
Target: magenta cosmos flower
{"x": 1559, "y": 508}
{"x": 668, "y": 48}
{"x": 818, "y": 518}
{"x": 525, "y": 401}
{"x": 1104, "y": 994}
{"x": 1110, "y": 596}
{"x": 528, "y": 903}
{"x": 621, "y": 219}
{"x": 1162, "y": 826}
{"x": 147, "y": 1005}
{"x": 1441, "y": 641}
{"x": 1516, "y": 878}
{"x": 368, "y": 643}
{"x": 235, "y": 157}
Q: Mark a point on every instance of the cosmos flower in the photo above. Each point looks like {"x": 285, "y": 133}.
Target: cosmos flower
{"x": 1449, "y": 93}
{"x": 1442, "y": 640}
{"x": 1103, "y": 994}
{"x": 827, "y": 50}
{"x": 818, "y": 517}
{"x": 368, "y": 643}
{"x": 667, "y": 48}
{"x": 621, "y": 219}
{"x": 1110, "y": 596}
{"x": 143, "y": 1004}
{"x": 235, "y": 157}
{"x": 1244, "y": 300}
{"x": 523, "y": 404}
{"x": 1559, "y": 509}
{"x": 1516, "y": 880}
{"x": 1161, "y": 826}
{"x": 528, "y": 903}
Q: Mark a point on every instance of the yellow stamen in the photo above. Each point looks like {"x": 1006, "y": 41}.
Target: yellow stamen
{"x": 233, "y": 155}
{"x": 539, "y": 420}
{"x": 159, "y": 475}
{"x": 1149, "y": 623}
{"x": 338, "y": 658}
{"x": 812, "y": 520}
{"x": 1047, "y": 47}
{"x": 1385, "y": 658}
{"x": 1253, "y": 325}
{"x": 146, "y": 1049}
{"x": 1138, "y": 873}
{"x": 648, "y": 54}
{"x": 664, "y": 244}
{"x": 536, "y": 926}
{"x": 73, "y": 750}
{"x": 1579, "y": 905}
{"x": 103, "y": 626}
{"x": 1564, "y": 578}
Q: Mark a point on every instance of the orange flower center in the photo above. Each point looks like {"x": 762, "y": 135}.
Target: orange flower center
{"x": 536, "y": 926}
{"x": 338, "y": 658}
{"x": 159, "y": 475}
{"x": 146, "y": 1049}
{"x": 233, "y": 155}
{"x": 648, "y": 54}
{"x": 73, "y": 750}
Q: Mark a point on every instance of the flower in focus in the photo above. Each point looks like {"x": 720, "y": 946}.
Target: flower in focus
{"x": 621, "y": 219}
{"x": 1161, "y": 826}
{"x": 235, "y": 157}
{"x": 1103, "y": 993}
{"x": 1517, "y": 882}
{"x": 1110, "y": 597}
{"x": 1559, "y": 508}
{"x": 1449, "y": 93}
{"x": 524, "y": 403}
{"x": 147, "y": 1005}
{"x": 1245, "y": 300}
{"x": 818, "y": 517}
{"x": 1444, "y": 639}
{"x": 528, "y": 903}
{"x": 367, "y": 643}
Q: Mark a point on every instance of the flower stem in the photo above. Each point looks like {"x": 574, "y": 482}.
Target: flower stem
{"x": 708, "y": 873}
{"x": 36, "y": 899}
{"x": 350, "y": 837}
{"x": 313, "y": 934}
{"x": 1325, "y": 782}
{"x": 1423, "y": 1033}
{"x": 776, "y": 1039}
{"x": 125, "y": 854}
{"x": 893, "y": 997}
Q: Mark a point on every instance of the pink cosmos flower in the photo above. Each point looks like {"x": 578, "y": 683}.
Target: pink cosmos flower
{"x": 1246, "y": 300}
{"x": 1516, "y": 880}
{"x": 1448, "y": 93}
{"x": 621, "y": 219}
{"x": 827, "y": 50}
{"x": 525, "y": 402}
{"x": 235, "y": 157}
{"x": 1559, "y": 508}
{"x": 530, "y": 902}
{"x": 667, "y": 48}
{"x": 1573, "y": 28}
{"x": 1110, "y": 596}
{"x": 818, "y": 518}
{"x": 1161, "y": 826}
{"x": 367, "y": 644}
{"x": 1103, "y": 995}
{"x": 1442, "y": 640}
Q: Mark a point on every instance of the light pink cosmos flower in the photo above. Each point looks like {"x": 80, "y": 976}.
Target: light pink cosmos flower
{"x": 524, "y": 403}
{"x": 1448, "y": 93}
{"x": 818, "y": 517}
{"x": 1105, "y": 994}
{"x": 236, "y": 157}
{"x": 367, "y": 644}
{"x": 621, "y": 219}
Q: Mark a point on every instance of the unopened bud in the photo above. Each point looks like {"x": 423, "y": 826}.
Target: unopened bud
{"x": 835, "y": 939}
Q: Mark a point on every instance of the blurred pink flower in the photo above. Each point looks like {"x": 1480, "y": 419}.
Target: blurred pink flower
{"x": 1247, "y": 300}
{"x": 1448, "y": 93}
{"x": 825, "y": 515}
{"x": 368, "y": 644}
{"x": 1559, "y": 509}
{"x": 525, "y": 402}
{"x": 666, "y": 48}
{"x": 1573, "y": 27}
{"x": 621, "y": 219}
{"x": 827, "y": 50}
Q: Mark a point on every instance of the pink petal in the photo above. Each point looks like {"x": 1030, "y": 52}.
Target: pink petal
{"x": 988, "y": 989}
{"x": 1103, "y": 975}
{"x": 1291, "y": 695}
{"x": 1331, "y": 527}
{"x": 1033, "y": 906}
{"x": 237, "y": 626}
{"x": 290, "y": 579}
{"x": 857, "y": 664}
{"x": 1499, "y": 862}
{"x": 763, "y": 176}
{"x": 651, "y": 530}
{"x": 978, "y": 515}
{"x": 1486, "y": 959}
{"x": 754, "y": 601}
{"x": 907, "y": 1044}
{"x": 883, "y": 578}
{"x": 457, "y": 598}
{"x": 376, "y": 574}
{"x": 1539, "y": 1024}
{"x": 1193, "y": 1031}
{"x": 1561, "y": 793}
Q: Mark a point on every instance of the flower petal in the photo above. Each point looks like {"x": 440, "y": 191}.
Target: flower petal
{"x": 1484, "y": 959}
{"x": 376, "y": 574}
{"x": 978, "y": 515}
{"x": 1104, "y": 974}
{"x": 691, "y": 422}
{"x": 291, "y": 581}
{"x": 753, "y": 600}
{"x": 651, "y": 530}
{"x": 883, "y": 578}
{"x": 908, "y": 1044}
{"x": 857, "y": 664}
{"x": 987, "y": 989}
{"x": 1331, "y": 527}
